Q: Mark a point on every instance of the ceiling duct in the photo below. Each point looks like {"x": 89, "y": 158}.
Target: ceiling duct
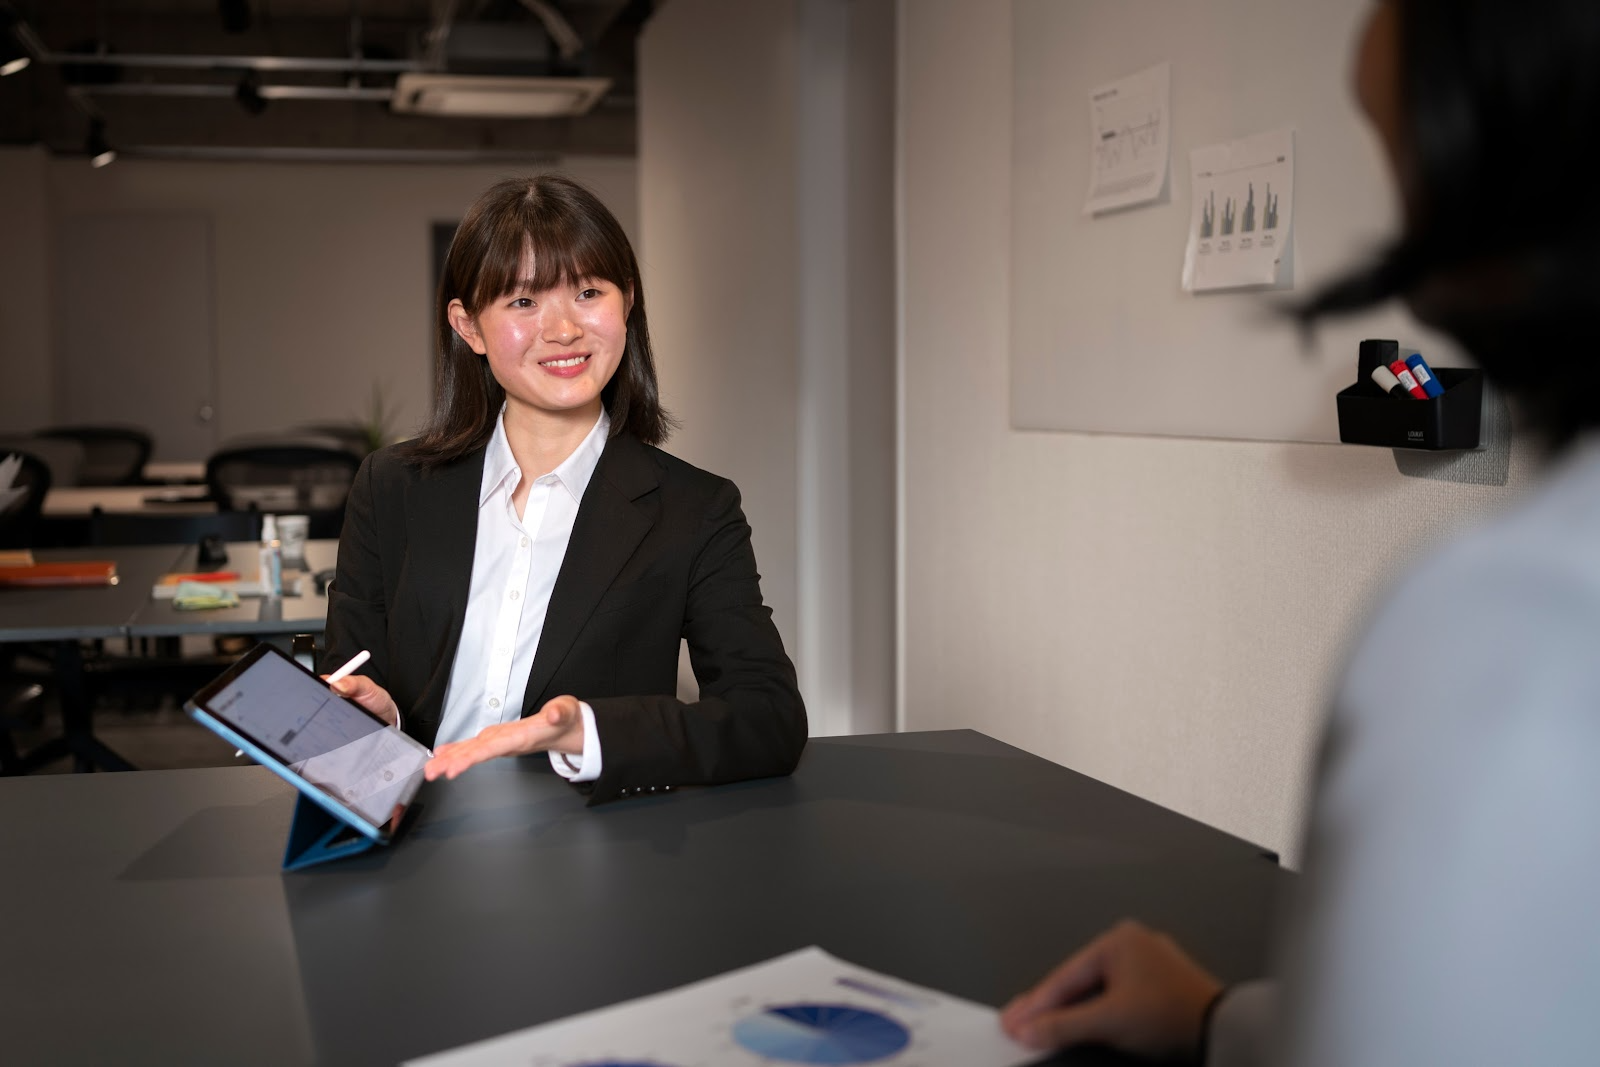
{"x": 474, "y": 96}
{"x": 507, "y": 49}
{"x": 498, "y": 70}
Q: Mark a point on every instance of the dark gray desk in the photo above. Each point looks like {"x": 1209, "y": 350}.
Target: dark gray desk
{"x": 305, "y": 613}
{"x": 946, "y": 858}
{"x": 66, "y": 616}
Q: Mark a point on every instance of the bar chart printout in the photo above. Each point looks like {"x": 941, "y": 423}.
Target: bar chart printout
{"x": 806, "y": 1008}
{"x": 1239, "y": 222}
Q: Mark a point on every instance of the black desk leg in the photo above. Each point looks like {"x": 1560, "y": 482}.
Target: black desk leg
{"x": 77, "y": 736}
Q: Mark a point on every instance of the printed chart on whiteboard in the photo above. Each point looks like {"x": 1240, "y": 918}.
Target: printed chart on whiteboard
{"x": 804, "y": 1008}
{"x": 1129, "y": 133}
{"x": 1242, "y": 206}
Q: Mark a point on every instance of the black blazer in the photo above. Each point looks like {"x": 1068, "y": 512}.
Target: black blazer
{"x": 660, "y": 550}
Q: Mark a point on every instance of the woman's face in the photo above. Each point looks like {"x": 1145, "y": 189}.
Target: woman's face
{"x": 1377, "y": 81}
{"x": 552, "y": 351}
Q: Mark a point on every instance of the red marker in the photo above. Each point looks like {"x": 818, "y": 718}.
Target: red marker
{"x": 1407, "y": 379}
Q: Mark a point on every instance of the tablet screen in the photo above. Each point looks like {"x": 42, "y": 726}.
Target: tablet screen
{"x": 330, "y": 742}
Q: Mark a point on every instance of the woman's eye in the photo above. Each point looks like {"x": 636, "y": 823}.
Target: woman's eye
{"x": 589, "y": 294}
{"x": 522, "y": 302}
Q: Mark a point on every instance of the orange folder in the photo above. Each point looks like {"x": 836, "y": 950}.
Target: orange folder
{"x": 86, "y": 572}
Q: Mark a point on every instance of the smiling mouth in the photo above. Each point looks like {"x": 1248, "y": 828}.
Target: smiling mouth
{"x": 571, "y": 361}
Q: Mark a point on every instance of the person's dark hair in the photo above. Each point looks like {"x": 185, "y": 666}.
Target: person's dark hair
{"x": 1500, "y": 123}
{"x": 572, "y": 236}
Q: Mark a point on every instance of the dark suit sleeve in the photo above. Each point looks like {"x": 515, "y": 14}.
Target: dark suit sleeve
{"x": 749, "y": 721}
{"x": 357, "y": 609}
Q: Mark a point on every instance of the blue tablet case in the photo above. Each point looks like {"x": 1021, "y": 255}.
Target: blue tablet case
{"x": 317, "y": 837}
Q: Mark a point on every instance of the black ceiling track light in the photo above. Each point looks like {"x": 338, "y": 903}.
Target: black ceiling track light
{"x": 249, "y": 95}
{"x": 235, "y": 15}
{"x": 13, "y": 57}
{"x": 97, "y": 148}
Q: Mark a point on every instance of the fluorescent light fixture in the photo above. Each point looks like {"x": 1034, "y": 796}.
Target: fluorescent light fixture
{"x": 473, "y": 96}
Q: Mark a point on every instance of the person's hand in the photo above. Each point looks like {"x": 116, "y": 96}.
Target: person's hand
{"x": 369, "y": 694}
{"x": 558, "y": 727}
{"x": 1130, "y": 988}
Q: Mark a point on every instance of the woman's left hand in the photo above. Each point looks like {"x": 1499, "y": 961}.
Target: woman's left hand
{"x": 558, "y": 727}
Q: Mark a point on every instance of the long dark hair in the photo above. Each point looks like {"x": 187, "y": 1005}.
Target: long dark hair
{"x": 1500, "y": 125}
{"x": 573, "y": 236}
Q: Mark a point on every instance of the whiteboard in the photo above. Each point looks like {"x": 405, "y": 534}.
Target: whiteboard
{"x": 1104, "y": 338}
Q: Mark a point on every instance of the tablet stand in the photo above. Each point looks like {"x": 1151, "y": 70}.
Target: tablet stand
{"x": 317, "y": 837}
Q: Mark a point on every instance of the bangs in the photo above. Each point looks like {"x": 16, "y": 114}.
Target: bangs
{"x": 530, "y": 248}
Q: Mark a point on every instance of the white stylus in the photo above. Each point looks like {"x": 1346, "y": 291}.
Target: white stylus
{"x": 349, "y": 668}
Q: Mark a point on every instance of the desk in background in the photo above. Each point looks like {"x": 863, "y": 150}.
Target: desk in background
{"x": 948, "y": 859}
{"x": 66, "y": 616}
{"x": 306, "y": 612}
{"x": 80, "y": 501}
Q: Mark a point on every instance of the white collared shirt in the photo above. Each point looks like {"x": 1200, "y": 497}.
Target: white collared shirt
{"x": 514, "y": 568}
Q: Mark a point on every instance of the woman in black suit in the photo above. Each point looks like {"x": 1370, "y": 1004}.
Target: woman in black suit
{"x": 524, "y": 570}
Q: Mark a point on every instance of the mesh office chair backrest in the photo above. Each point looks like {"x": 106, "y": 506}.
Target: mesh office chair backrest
{"x": 64, "y": 458}
{"x": 113, "y": 455}
{"x": 299, "y": 475}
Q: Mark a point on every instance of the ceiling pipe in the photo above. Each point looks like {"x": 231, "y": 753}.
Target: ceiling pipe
{"x": 266, "y": 92}
{"x": 355, "y": 65}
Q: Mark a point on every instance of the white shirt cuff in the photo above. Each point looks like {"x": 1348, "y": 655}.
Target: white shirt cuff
{"x": 587, "y": 768}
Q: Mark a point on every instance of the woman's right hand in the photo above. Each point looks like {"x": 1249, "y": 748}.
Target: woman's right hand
{"x": 370, "y": 695}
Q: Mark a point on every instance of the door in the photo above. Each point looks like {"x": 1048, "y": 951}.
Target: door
{"x": 135, "y": 335}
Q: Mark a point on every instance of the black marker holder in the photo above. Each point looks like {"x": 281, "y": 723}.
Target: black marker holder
{"x": 1452, "y": 420}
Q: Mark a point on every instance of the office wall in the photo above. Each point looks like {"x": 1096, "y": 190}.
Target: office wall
{"x": 323, "y": 276}
{"x": 766, "y": 200}
{"x": 24, "y": 290}
{"x": 1162, "y": 614}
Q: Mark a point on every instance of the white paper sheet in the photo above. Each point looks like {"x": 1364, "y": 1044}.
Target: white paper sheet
{"x": 1242, "y": 208}
{"x": 804, "y": 1008}
{"x": 1129, "y": 127}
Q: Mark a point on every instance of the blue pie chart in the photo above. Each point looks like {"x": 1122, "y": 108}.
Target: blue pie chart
{"x": 821, "y": 1034}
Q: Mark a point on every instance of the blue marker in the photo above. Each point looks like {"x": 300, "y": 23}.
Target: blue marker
{"x": 1424, "y": 375}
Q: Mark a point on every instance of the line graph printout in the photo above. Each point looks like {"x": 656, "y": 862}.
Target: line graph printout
{"x": 1239, "y": 219}
{"x": 1129, "y": 126}
{"x": 804, "y": 1008}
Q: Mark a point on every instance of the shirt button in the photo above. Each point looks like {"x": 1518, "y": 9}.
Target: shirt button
{"x": 523, "y": 543}
{"x": 515, "y": 594}
{"x": 494, "y": 702}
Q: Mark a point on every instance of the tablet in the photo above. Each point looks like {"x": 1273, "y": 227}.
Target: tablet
{"x": 339, "y": 755}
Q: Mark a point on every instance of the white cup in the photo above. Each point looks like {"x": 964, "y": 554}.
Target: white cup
{"x": 292, "y": 531}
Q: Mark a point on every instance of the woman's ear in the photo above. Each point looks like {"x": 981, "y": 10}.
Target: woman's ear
{"x": 465, "y": 326}
{"x": 627, "y": 306}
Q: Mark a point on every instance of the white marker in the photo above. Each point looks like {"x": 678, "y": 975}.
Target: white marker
{"x": 349, "y": 668}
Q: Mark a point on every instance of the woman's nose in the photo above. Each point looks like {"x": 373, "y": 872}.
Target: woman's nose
{"x": 561, "y": 330}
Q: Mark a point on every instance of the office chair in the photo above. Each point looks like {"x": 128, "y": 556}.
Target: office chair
{"x": 19, "y": 520}
{"x": 310, "y": 476}
{"x": 113, "y": 455}
{"x": 65, "y": 459}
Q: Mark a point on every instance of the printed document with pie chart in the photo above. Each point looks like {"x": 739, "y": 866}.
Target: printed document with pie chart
{"x": 806, "y": 1008}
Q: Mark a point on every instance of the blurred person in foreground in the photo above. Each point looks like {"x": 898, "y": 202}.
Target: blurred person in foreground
{"x": 1451, "y": 898}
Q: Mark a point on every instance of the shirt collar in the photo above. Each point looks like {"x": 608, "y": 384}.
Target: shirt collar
{"x": 500, "y": 466}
